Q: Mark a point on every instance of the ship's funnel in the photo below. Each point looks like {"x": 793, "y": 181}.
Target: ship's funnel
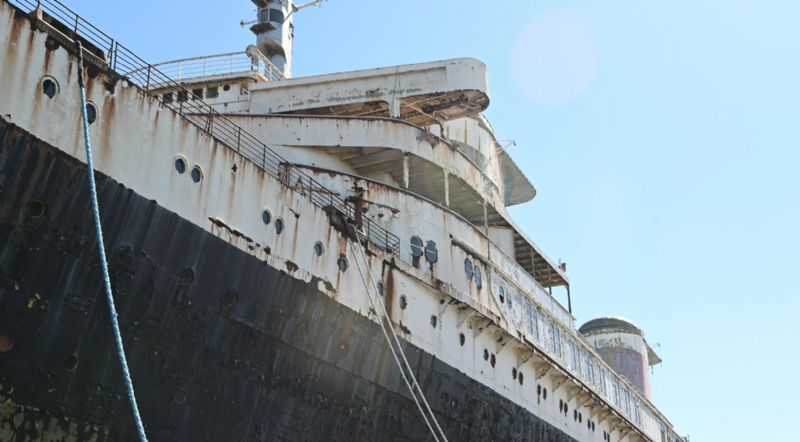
{"x": 621, "y": 344}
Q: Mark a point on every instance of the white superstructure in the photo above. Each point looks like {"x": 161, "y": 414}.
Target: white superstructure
{"x": 409, "y": 150}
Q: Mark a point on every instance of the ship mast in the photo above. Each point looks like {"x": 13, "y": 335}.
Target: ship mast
{"x": 275, "y": 32}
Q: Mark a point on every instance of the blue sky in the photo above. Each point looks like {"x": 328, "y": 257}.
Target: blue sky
{"x": 663, "y": 139}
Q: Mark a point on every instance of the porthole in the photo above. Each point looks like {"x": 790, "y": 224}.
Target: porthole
{"x": 519, "y": 378}
{"x": 91, "y": 113}
{"x": 266, "y": 217}
{"x": 468, "y": 269}
{"x": 319, "y": 249}
{"x": 493, "y": 360}
{"x": 416, "y": 246}
{"x": 226, "y": 87}
{"x": 478, "y": 278}
{"x": 278, "y": 225}
{"x": 544, "y": 393}
{"x": 538, "y": 390}
{"x": 71, "y": 362}
{"x": 566, "y": 408}
{"x": 380, "y": 288}
{"x": 342, "y": 262}
{"x": 197, "y": 174}
{"x": 462, "y": 339}
{"x": 180, "y": 165}
{"x": 560, "y": 405}
{"x": 49, "y": 87}
{"x": 431, "y": 254}
{"x": 434, "y": 320}
{"x": 37, "y": 208}
{"x": 403, "y": 302}
{"x": 580, "y": 418}
{"x": 502, "y": 292}
{"x": 589, "y": 424}
{"x": 514, "y": 373}
{"x": 485, "y": 354}
{"x": 575, "y": 414}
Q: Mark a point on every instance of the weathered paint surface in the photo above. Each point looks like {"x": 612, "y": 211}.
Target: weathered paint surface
{"x": 137, "y": 142}
{"x": 220, "y": 345}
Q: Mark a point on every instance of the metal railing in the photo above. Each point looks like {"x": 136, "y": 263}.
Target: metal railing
{"x": 251, "y": 60}
{"x": 131, "y": 67}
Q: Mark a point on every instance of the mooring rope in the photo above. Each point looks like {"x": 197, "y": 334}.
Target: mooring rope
{"x": 112, "y": 310}
{"x": 391, "y": 337}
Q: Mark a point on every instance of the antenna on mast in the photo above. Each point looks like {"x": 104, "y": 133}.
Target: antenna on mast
{"x": 275, "y": 31}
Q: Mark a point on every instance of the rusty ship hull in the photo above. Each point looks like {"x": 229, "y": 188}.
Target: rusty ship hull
{"x": 221, "y": 345}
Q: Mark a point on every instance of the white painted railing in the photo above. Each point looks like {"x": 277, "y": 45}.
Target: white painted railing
{"x": 222, "y": 64}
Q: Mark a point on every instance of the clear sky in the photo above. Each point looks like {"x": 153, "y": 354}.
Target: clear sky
{"x": 664, "y": 141}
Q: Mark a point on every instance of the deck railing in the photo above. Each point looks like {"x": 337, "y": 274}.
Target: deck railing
{"x": 223, "y": 64}
{"x": 131, "y": 67}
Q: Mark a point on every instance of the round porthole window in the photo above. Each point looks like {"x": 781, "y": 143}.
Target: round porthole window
{"x": 342, "y": 263}
{"x": 478, "y": 279}
{"x": 180, "y": 165}
{"x": 197, "y": 174}
{"x": 266, "y": 217}
{"x": 91, "y": 113}
{"x": 462, "y": 339}
{"x": 319, "y": 249}
{"x": 416, "y": 246}
{"x": 49, "y": 87}
{"x": 431, "y": 254}
{"x": 278, "y": 225}
{"x": 468, "y": 269}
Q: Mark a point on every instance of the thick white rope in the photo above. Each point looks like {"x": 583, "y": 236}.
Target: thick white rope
{"x": 395, "y": 341}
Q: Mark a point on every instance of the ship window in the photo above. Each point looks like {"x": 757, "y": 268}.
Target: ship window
{"x": 493, "y": 360}
{"x": 462, "y": 338}
{"x": 197, "y": 174}
{"x": 468, "y": 269}
{"x": 434, "y": 320}
{"x": 431, "y": 254}
{"x": 180, "y": 165}
{"x": 37, "y": 208}
{"x": 319, "y": 249}
{"x": 478, "y": 279}
{"x": 485, "y": 354}
{"x": 212, "y": 92}
{"x": 544, "y": 393}
{"x": 91, "y": 113}
{"x": 416, "y": 246}
{"x": 276, "y": 15}
{"x": 49, "y": 87}
{"x": 519, "y": 378}
{"x": 279, "y": 226}
{"x": 380, "y": 288}
{"x": 342, "y": 263}
{"x": 183, "y": 96}
{"x": 266, "y": 217}
{"x": 502, "y": 291}
{"x": 226, "y": 87}
{"x": 167, "y": 97}
{"x": 197, "y": 94}
{"x": 403, "y": 302}
{"x": 514, "y": 373}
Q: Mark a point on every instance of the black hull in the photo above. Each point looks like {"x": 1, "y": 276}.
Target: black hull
{"x": 221, "y": 346}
